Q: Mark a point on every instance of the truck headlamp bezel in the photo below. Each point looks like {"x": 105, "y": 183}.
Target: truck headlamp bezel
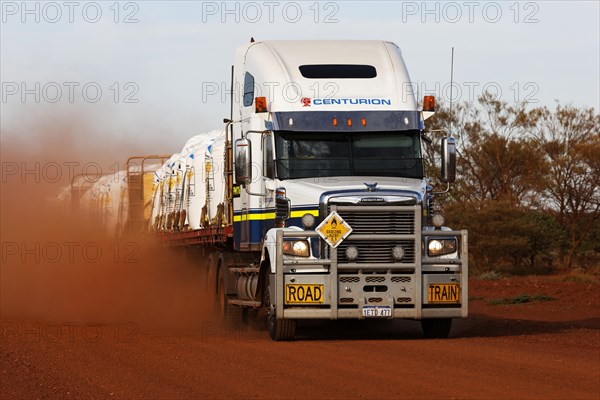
{"x": 441, "y": 246}
{"x": 296, "y": 247}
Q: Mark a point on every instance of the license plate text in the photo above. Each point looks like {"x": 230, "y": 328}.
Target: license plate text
{"x": 377, "y": 312}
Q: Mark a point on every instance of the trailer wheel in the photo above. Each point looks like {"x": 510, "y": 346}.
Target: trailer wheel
{"x": 437, "y": 328}
{"x": 279, "y": 329}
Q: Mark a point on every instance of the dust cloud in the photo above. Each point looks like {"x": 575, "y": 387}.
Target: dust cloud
{"x": 57, "y": 265}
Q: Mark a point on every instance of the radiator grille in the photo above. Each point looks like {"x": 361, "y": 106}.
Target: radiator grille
{"x": 377, "y": 252}
{"x": 381, "y": 222}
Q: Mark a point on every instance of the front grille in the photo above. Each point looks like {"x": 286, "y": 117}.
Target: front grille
{"x": 375, "y": 279}
{"x": 377, "y": 252}
{"x": 375, "y": 300}
{"x": 400, "y": 278}
{"x": 381, "y": 222}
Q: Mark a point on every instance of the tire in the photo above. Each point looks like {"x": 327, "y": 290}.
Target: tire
{"x": 279, "y": 329}
{"x": 438, "y": 328}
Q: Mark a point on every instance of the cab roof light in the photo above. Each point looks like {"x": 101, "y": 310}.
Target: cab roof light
{"x": 350, "y": 122}
{"x": 363, "y": 121}
{"x": 334, "y": 121}
{"x": 261, "y": 104}
{"x": 429, "y": 103}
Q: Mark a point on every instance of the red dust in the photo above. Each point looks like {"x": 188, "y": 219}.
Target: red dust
{"x": 60, "y": 266}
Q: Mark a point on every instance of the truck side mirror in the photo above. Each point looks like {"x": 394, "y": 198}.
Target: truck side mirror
{"x": 448, "y": 173}
{"x": 243, "y": 161}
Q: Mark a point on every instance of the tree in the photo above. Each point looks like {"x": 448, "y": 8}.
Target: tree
{"x": 530, "y": 160}
{"x": 497, "y": 159}
{"x": 570, "y": 140}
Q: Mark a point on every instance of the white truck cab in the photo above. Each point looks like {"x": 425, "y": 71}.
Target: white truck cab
{"x": 330, "y": 189}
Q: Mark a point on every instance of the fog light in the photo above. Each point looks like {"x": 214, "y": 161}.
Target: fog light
{"x": 308, "y": 221}
{"x": 438, "y": 220}
{"x": 397, "y": 253}
{"x": 351, "y": 253}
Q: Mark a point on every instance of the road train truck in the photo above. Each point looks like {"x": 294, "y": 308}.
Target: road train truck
{"x": 314, "y": 199}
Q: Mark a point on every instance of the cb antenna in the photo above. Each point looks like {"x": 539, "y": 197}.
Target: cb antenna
{"x": 451, "y": 84}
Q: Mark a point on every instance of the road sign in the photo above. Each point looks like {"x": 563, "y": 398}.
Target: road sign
{"x": 333, "y": 229}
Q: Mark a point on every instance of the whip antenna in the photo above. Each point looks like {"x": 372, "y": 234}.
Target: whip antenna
{"x": 451, "y": 84}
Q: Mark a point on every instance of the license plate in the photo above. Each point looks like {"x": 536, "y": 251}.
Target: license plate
{"x": 377, "y": 312}
{"x": 443, "y": 293}
{"x": 304, "y": 294}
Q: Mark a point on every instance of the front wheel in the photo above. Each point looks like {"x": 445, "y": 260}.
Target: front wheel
{"x": 279, "y": 329}
{"x": 438, "y": 328}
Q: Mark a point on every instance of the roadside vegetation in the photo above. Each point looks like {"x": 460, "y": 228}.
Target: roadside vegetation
{"x": 528, "y": 186}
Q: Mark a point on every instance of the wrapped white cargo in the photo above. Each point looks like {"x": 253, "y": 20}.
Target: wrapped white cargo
{"x": 157, "y": 197}
{"x": 215, "y": 164}
{"x": 196, "y": 185}
{"x": 107, "y": 202}
{"x": 168, "y": 190}
{"x": 180, "y": 186}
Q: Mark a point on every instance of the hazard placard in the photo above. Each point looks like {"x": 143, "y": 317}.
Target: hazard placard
{"x": 333, "y": 229}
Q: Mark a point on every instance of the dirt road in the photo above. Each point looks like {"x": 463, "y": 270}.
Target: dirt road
{"x": 538, "y": 350}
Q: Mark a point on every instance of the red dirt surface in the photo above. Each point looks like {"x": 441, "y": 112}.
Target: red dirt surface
{"x": 538, "y": 350}
{"x": 133, "y": 323}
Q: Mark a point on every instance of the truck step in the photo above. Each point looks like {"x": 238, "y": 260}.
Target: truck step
{"x": 245, "y": 303}
{"x": 245, "y": 270}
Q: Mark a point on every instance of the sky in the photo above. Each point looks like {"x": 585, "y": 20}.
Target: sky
{"x": 159, "y": 71}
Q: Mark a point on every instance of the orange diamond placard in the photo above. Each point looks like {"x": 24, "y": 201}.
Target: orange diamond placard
{"x": 333, "y": 229}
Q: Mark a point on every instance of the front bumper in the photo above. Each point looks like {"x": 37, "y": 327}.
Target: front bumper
{"x": 347, "y": 289}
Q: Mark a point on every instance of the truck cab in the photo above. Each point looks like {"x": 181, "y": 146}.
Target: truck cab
{"x": 329, "y": 188}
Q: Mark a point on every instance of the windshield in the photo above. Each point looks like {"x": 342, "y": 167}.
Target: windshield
{"x": 307, "y": 155}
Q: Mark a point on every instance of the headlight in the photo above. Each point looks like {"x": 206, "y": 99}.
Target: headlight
{"x": 439, "y": 247}
{"x": 298, "y": 248}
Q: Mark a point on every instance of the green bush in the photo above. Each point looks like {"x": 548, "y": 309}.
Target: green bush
{"x": 506, "y": 239}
